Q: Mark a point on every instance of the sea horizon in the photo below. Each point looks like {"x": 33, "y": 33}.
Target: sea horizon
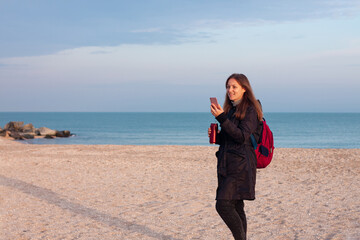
{"x": 290, "y": 129}
{"x": 163, "y": 112}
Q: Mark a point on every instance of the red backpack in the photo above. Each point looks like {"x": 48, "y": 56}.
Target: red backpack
{"x": 265, "y": 148}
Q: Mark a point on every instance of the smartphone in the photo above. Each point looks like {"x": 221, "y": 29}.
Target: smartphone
{"x": 214, "y": 100}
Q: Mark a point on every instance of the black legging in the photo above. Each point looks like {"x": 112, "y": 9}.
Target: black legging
{"x": 232, "y": 212}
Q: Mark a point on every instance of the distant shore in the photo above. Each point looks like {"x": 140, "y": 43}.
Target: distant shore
{"x": 167, "y": 192}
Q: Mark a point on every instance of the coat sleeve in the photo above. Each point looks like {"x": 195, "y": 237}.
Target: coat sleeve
{"x": 245, "y": 128}
{"x": 219, "y": 138}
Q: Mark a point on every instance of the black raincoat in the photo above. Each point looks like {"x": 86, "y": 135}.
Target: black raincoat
{"x": 236, "y": 167}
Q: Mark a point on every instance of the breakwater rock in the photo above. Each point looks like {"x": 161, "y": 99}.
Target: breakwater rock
{"x": 19, "y": 131}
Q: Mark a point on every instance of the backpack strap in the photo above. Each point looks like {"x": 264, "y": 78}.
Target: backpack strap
{"x": 252, "y": 137}
{"x": 253, "y": 141}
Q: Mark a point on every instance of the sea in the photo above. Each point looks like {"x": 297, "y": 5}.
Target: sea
{"x": 290, "y": 130}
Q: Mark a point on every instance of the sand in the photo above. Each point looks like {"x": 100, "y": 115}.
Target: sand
{"x": 167, "y": 192}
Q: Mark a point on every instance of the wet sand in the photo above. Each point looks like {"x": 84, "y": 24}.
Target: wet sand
{"x": 167, "y": 192}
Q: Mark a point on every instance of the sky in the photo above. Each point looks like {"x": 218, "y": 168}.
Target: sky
{"x": 171, "y": 56}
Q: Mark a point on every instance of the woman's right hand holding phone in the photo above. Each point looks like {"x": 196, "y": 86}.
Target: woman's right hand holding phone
{"x": 215, "y": 107}
{"x": 216, "y": 110}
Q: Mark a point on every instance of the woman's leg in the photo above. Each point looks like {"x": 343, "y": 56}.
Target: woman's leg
{"x": 240, "y": 210}
{"x": 228, "y": 212}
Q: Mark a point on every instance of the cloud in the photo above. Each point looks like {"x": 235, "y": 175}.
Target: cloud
{"x": 276, "y": 56}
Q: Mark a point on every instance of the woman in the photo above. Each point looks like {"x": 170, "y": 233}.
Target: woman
{"x": 236, "y": 168}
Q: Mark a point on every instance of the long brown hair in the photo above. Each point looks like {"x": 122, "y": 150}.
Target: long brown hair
{"x": 247, "y": 100}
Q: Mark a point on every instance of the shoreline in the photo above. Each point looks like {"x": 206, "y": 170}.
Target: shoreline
{"x": 168, "y": 192}
{"x": 23, "y": 142}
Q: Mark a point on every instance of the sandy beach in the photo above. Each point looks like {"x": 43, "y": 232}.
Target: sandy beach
{"x": 167, "y": 192}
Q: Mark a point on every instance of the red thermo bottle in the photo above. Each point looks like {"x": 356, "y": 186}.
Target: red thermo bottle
{"x": 214, "y": 130}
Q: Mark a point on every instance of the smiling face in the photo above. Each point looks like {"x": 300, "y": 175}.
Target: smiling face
{"x": 234, "y": 90}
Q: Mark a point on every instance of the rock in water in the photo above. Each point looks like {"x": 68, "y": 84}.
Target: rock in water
{"x": 13, "y": 126}
{"x": 19, "y": 131}
{"x": 28, "y": 135}
{"x": 28, "y": 128}
{"x": 65, "y": 133}
{"x": 16, "y": 136}
{"x": 43, "y": 131}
